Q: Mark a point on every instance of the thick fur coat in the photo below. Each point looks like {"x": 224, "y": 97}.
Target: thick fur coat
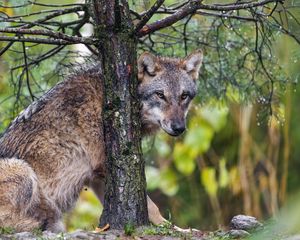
{"x": 55, "y": 146}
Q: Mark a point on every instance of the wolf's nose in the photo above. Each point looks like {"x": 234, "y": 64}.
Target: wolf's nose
{"x": 178, "y": 128}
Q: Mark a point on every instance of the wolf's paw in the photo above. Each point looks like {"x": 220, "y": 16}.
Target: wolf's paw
{"x": 186, "y": 230}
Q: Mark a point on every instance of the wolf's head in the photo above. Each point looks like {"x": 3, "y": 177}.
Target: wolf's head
{"x": 166, "y": 88}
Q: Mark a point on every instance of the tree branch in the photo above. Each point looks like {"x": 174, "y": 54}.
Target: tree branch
{"x": 234, "y": 6}
{"x": 27, "y": 72}
{"x": 190, "y": 8}
{"x": 53, "y": 12}
{"x": 41, "y": 58}
{"x": 56, "y": 35}
{"x": 225, "y": 15}
{"x": 146, "y": 17}
{"x": 4, "y": 49}
{"x": 36, "y": 40}
{"x": 52, "y": 15}
{"x": 55, "y": 5}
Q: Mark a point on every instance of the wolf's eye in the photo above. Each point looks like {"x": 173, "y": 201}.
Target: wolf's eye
{"x": 160, "y": 94}
{"x": 184, "y": 96}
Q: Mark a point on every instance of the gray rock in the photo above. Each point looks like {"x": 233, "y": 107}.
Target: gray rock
{"x": 243, "y": 222}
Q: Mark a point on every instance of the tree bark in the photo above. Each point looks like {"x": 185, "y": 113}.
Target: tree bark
{"x": 125, "y": 195}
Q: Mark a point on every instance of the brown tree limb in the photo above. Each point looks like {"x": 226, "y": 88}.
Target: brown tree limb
{"x": 191, "y": 8}
{"x": 56, "y": 35}
{"x": 36, "y": 40}
{"x": 146, "y": 17}
{"x": 225, "y": 15}
{"x": 234, "y": 6}
{"x": 213, "y": 14}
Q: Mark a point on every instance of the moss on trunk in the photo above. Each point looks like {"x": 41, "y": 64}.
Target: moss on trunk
{"x": 125, "y": 195}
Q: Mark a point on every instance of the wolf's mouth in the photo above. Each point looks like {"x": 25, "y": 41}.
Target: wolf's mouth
{"x": 168, "y": 130}
{"x": 172, "y": 133}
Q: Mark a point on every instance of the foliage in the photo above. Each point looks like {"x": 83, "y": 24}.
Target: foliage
{"x": 164, "y": 230}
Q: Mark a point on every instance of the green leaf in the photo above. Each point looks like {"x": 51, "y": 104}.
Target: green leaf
{"x": 153, "y": 177}
{"x": 184, "y": 159}
{"x": 162, "y": 147}
{"x": 215, "y": 116}
{"x": 168, "y": 182}
{"x": 199, "y": 139}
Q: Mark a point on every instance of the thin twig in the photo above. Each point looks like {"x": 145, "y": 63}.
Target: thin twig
{"x": 58, "y": 12}
{"x": 4, "y": 49}
{"x": 41, "y": 58}
{"x": 26, "y": 71}
{"x": 54, "y": 14}
{"x": 56, "y": 35}
{"x": 55, "y": 5}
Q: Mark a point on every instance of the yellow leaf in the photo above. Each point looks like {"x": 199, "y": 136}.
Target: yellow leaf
{"x": 184, "y": 159}
{"x": 98, "y": 230}
{"x": 224, "y": 175}
{"x": 235, "y": 182}
{"x": 208, "y": 179}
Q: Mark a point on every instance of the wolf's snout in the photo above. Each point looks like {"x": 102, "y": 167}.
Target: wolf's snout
{"x": 178, "y": 127}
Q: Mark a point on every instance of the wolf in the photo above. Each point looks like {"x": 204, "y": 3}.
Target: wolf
{"x": 55, "y": 147}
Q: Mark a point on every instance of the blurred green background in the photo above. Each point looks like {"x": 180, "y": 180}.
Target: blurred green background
{"x": 236, "y": 157}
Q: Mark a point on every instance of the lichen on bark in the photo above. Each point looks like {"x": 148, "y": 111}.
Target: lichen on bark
{"x": 125, "y": 195}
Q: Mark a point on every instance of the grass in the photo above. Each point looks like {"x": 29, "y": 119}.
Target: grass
{"x": 7, "y": 230}
{"x": 165, "y": 229}
{"x": 129, "y": 229}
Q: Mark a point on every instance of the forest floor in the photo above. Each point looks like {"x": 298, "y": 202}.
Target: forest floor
{"x": 241, "y": 227}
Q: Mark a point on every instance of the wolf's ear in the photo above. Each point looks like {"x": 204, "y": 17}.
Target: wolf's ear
{"x": 192, "y": 63}
{"x": 147, "y": 63}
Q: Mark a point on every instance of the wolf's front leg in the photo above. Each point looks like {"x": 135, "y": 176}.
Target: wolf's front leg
{"x": 155, "y": 216}
{"x": 98, "y": 186}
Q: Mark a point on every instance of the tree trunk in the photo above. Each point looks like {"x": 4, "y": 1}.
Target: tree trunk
{"x": 125, "y": 195}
